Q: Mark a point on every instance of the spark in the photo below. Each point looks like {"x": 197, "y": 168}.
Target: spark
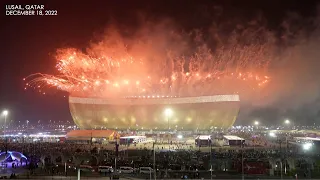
{"x": 107, "y": 73}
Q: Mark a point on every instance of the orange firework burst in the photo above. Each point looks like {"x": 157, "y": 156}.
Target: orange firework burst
{"x": 117, "y": 72}
{"x": 82, "y": 75}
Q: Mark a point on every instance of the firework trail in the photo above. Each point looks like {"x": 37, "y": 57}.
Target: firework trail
{"x": 114, "y": 70}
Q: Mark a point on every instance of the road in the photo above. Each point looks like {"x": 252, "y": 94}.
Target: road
{"x": 69, "y": 178}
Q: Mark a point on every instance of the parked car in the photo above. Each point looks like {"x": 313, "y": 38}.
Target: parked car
{"x": 145, "y": 170}
{"x": 86, "y": 168}
{"x": 105, "y": 169}
{"x": 126, "y": 170}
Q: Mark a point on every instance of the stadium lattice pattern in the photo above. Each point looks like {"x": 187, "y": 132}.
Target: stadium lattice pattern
{"x": 137, "y": 113}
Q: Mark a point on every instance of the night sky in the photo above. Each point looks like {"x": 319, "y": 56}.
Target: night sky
{"x": 28, "y": 44}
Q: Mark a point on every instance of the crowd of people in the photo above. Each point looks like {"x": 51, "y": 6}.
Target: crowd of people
{"x": 170, "y": 157}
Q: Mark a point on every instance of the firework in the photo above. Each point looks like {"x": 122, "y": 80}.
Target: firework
{"x": 117, "y": 72}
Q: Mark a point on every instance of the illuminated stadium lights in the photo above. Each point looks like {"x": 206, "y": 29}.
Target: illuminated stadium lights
{"x": 256, "y": 123}
{"x": 307, "y": 146}
{"x": 272, "y": 134}
{"x": 5, "y": 113}
{"x": 179, "y": 136}
{"x": 287, "y": 121}
{"x": 181, "y": 100}
{"x": 168, "y": 112}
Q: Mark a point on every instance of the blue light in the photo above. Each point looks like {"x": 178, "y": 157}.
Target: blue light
{"x": 11, "y": 155}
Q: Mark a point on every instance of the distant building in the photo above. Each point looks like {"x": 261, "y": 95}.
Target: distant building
{"x": 203, "y": 140}
{"x": 126, "y": 140}
{"x": 100, "y": 136}
{"x": 230, "y": 140}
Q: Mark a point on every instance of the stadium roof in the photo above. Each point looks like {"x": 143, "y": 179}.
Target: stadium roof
{"x": 46, "y": 135}
{"x": 232, "y": 138}
{"x": 204, "y": 137}
{"x": 132, "y": 137}
{"x": 88, "y": 134}
{"x": 146, "y": 100}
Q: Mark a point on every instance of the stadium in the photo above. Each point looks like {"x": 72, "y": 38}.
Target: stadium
{"x": 151, "y": 112}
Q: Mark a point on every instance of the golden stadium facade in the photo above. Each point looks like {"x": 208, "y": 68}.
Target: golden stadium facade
{"x": 188, "y": 113}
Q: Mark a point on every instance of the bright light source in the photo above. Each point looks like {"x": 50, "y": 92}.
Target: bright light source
{"x": 272, "y": 134}
{"x": 256, "y": 123}
{"x": 307, "y": 146}
{"x": 5, "y": 112}
{"x": 180, "y": 136}
{"x": 168, "y": 112}
{"x": 287, "y": 121}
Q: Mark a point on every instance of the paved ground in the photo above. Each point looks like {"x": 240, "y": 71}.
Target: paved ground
{"x": 127, "y": 178}
{"x": 9, "y": 171}
{"x": 70, "y": 178}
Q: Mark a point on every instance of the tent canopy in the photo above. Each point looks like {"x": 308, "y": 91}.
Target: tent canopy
{"x": 88, "y": 134}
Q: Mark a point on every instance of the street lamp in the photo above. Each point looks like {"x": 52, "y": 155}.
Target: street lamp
{"x": 154, "y": 163}
{"x": 272, "y": 134}
{"x": 287, "y": 121}
{"x": 307, "y": 146}
{"x": 256, "y": 123}
{"x": 5, "y": 114}
{"x": 168, "y": 112}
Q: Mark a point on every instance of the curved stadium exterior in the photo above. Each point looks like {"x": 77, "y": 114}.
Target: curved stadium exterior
{"x": 189, "y": 113}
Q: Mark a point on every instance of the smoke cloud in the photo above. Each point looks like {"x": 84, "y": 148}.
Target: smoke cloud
{"x": 287, "y": 53}
{"x": 294, "y": 92}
